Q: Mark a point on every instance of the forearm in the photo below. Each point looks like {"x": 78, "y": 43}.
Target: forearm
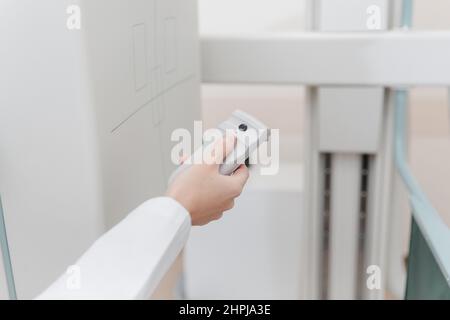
{"x": 129, "y": 261}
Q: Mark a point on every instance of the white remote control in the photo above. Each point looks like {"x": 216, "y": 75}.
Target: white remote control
{"x": 250, "y": 134}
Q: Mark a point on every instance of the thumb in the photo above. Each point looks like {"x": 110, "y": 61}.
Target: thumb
{"x": 241, "y": 175}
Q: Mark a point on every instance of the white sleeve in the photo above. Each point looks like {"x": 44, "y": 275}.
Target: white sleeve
{"x": 129, "y": 260}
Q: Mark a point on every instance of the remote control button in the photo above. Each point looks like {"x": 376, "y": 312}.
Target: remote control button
{"x": 243, "y": 127}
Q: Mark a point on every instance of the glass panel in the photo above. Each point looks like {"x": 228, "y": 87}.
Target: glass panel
{"x": 425, "y": 279}
{"x": 6, "y": 258}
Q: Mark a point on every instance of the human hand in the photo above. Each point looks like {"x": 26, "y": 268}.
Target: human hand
{"x": 203, "y": 191}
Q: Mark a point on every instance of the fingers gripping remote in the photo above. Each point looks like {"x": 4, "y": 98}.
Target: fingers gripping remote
{"x": 250, "y": 134}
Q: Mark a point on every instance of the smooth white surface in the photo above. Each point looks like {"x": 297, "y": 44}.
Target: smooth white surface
{"x": 377, "y": 59}
{"x": 177, "y": 38}
{"x": 129, "y": 260}
{"x": 350, "y": 119}
{"x": 344, "y": 226}
{"x": 84, "y": 119}
{"x": 348, "y": 15}
{"x": 382, "y": 211}
{"x": 237, "y": 16}
{"x": 48, "y": 165}
{"x": 311, "y": 269}
{"x": 253, "y": 253}
{"x": 181, "y": 107}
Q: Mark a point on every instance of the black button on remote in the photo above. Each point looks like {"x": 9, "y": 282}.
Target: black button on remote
{"x": 243, "y": 127}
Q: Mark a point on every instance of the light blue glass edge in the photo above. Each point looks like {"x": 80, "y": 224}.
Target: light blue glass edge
{"x": 6, "y": 256}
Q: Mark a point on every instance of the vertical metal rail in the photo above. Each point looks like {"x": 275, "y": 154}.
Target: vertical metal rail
{"x": 6, "y": 256}
{"x": 344, "y": 234}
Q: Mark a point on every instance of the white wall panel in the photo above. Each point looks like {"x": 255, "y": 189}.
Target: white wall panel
{"x": 80, "y": 143}
{"x": 48, "y": 160}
